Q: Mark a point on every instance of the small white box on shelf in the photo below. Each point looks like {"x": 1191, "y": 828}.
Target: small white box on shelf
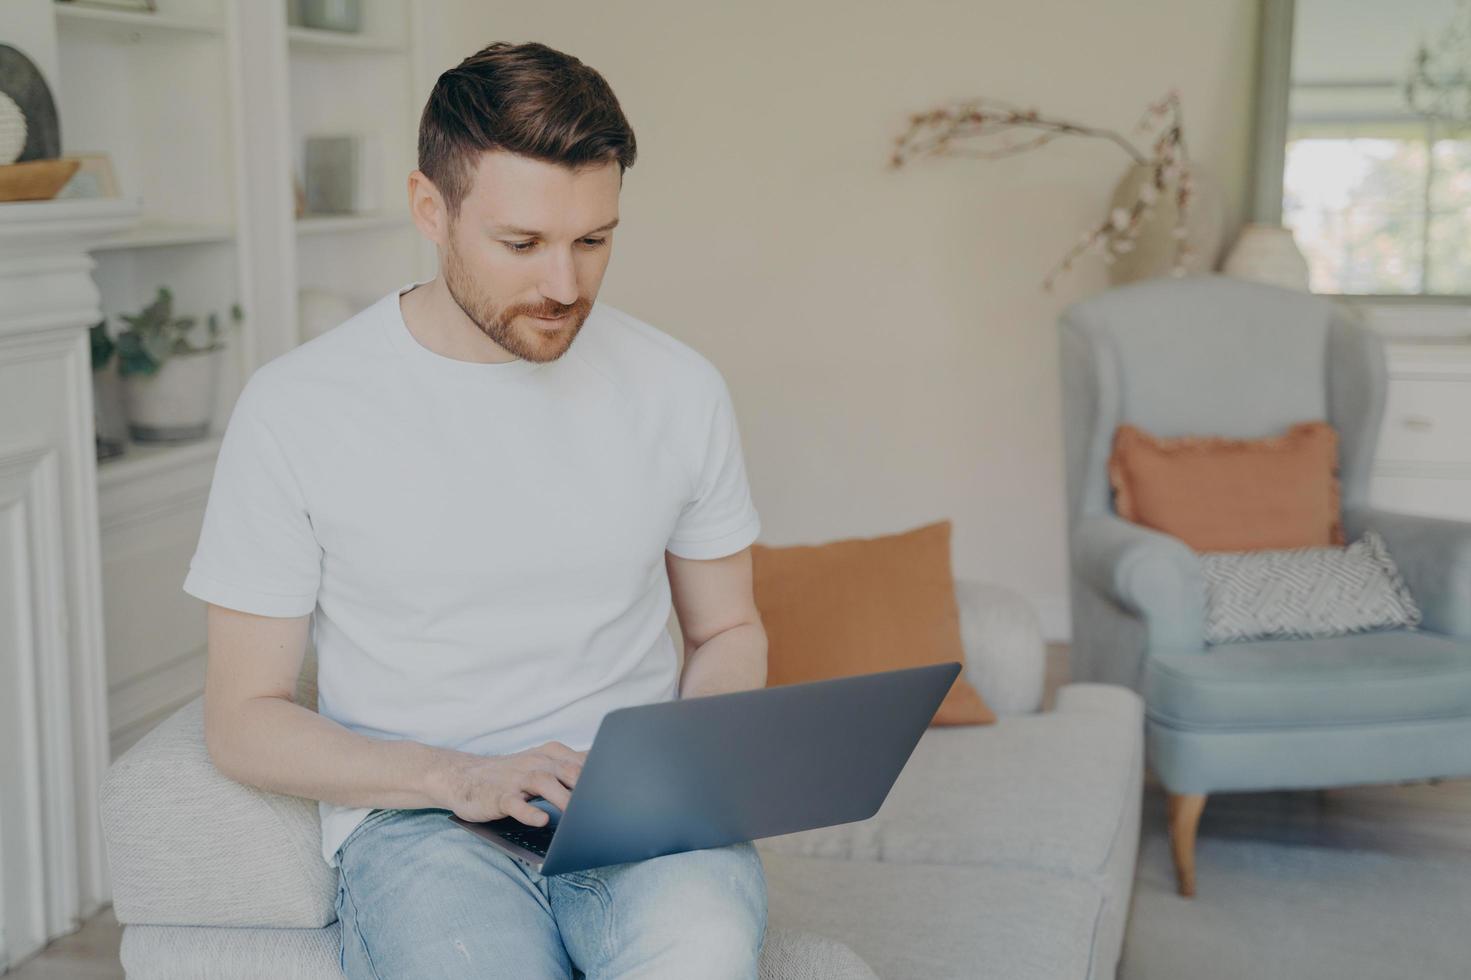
{"x": 341, "y": 174}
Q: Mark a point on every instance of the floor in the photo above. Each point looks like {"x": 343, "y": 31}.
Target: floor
{"x": 1423, "y": 820}
{"x": 87, "y": 954}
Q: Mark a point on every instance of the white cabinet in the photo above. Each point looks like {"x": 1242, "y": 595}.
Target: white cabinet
{"x": 1423, "y": 463}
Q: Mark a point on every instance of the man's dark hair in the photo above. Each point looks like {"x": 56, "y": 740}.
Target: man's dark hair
{"x": 527, "y": 99}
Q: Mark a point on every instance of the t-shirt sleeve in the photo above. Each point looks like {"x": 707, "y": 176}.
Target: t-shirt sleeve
{"x": 257, "y": 551}
{"x": 720, "y": 519}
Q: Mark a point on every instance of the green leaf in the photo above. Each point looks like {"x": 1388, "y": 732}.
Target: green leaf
{"x": 102, "y": 345}
{"x": 134, "y": 363}
{"x": 161, "y": 310}
{"x": 156, "y": 347}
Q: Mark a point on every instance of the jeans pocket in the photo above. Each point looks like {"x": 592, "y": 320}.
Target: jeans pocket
{"x": 373, "y": 817}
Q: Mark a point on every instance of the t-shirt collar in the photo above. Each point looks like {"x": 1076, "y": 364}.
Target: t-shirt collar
{"x": 404, "y": 341}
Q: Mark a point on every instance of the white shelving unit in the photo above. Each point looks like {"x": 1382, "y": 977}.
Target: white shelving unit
{"x": 346, "y": 253}
{"x": 203, "y": 107}
{"x": 126, "y": 24}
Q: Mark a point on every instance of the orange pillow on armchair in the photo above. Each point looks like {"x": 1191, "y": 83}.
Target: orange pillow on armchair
{"x": 1220, "y": 494}
{"x": 862, "y": 605}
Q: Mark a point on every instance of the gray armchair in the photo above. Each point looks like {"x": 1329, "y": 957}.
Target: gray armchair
{"x": 1211, "y": 355}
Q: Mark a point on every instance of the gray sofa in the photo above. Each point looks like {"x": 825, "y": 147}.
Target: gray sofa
{"x": 1003, "y": 851}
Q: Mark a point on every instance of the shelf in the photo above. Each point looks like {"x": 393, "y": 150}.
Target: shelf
{"x": 24, "y": 223}
{"x": 143, "y": 460}
{"x": 314, "y": 39}
{"x": 162, "y": 234}
{"x": 134, "y": 25}
{"x": 321, "y": 224}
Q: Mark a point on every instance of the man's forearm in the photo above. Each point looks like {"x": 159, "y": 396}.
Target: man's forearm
{"x": 732, "y": 660}
{"x": 284, "y": 747}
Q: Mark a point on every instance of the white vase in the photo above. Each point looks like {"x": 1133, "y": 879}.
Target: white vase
{"x": 1269, "y": 254}
{"x": 177, "y": 402}
{"x": 1154, "y": 246}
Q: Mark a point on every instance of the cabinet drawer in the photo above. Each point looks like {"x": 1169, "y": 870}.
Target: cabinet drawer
{"x": 1432, "y": 496}
{"x": 1427, "y": 420}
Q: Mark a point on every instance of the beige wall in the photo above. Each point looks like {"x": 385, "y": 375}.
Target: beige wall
{"x": 890, "y": 350}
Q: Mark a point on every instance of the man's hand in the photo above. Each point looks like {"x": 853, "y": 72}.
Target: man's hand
{"x": 479, "y": 788}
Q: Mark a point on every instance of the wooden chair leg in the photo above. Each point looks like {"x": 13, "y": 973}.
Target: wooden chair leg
{"x": 1184, "y": 815}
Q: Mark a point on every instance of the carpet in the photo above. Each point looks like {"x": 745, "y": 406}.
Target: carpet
{"x": 1297, "y": 909}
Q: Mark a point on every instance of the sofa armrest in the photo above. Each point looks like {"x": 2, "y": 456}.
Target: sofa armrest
{"x": 1153, "y": 575}
{"x": 1005, "y": 656}
{"x": 190, "y": 846}
{"x": 1433, "y": 555}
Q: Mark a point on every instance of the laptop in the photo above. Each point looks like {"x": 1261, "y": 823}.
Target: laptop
{"x": 724, "y": 768}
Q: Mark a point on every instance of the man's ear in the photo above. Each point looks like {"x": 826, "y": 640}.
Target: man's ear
{"x": 426, "y": 206}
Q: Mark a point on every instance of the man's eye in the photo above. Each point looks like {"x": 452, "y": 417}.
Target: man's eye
{"x": 528, "y": 246}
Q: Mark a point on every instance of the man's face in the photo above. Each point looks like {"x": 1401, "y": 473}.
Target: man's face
{"x": 532, "y": 240}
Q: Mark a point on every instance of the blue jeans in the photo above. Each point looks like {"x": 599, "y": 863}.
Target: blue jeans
{"x": 419, "y": 897}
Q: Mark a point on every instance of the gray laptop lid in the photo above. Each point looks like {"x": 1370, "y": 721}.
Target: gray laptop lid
{"x": 709, "y": 771}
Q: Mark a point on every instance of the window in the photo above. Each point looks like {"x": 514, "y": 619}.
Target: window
{"x": 1380, "y": 206}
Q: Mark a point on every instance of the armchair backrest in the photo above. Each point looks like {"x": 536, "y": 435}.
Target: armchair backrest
{"x": 1211, "y": 355}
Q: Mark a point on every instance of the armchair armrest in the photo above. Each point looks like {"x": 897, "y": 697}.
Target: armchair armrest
{"x": 1005, "y": 656}
{"x": 1433, "y": 555}
{"x": 1153, "y": 575}
{"x": 189, "y": 846}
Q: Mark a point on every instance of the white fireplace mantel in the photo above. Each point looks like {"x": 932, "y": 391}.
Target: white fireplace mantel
{"x": 53, "y": 679}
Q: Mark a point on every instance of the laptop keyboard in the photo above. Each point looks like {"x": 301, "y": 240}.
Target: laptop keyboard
{"x": 534, "y": 839}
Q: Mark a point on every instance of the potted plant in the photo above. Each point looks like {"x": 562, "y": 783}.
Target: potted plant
{"x": 169, "y": 383}
{"x": 107, "y": 414}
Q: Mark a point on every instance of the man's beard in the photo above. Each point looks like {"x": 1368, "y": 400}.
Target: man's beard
{"x": 524, "y": 340}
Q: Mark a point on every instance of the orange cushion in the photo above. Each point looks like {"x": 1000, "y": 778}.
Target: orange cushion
{"x": 863, "y": 605}
{"x": 1219, "y": 494}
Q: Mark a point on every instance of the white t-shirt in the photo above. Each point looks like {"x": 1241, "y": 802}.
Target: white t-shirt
{"x": 481, "y": 545}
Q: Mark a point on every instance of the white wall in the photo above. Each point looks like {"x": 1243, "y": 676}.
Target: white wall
{"x": 890, "y": 350}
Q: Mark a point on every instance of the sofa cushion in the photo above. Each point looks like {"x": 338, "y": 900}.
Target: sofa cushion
{"x": 189, "y": 846}
{"x": 222, "y": 953}
{"x": 1053, "y": 791}
{"x": 190, "y": 952}
{"x": 1388, "y": 676}
{"x": 1221, "y": 494}
{"x": 1303, "y": 593}
{"x": 863, "y": 605}
{"x": 941, "y": 921}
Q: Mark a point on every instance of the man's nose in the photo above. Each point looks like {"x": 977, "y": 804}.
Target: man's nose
{"x": 560, "y": 284}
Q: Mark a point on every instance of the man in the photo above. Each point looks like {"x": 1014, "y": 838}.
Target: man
{"x": 480, "y": 496}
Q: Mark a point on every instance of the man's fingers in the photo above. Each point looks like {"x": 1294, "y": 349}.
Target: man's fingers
{"x": 549, "y": 788}
{"x": 557, "y": 750}
{"x": 515, "y": 805}
{"x": 568, "y": 772}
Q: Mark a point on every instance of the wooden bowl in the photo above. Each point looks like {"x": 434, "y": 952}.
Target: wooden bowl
{"x": 36, "y": 180}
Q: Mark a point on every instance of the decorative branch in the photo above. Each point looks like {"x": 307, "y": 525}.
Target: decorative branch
{"x": 940, "y": 131}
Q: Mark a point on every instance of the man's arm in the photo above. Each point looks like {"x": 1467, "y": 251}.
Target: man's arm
{"x": 725, "y": 643}
{"x": 257, "y": 734}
